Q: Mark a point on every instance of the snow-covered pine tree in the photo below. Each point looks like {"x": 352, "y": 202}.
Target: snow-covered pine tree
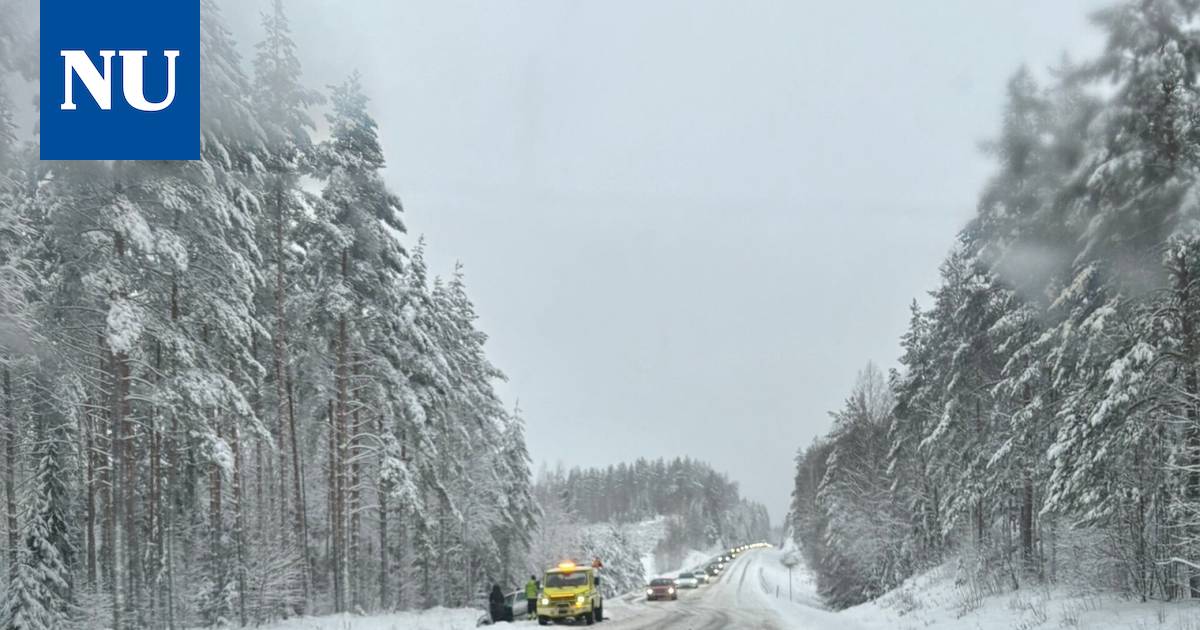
{"x": 282, "y": 103}
{"x": 362, "y": 261}
{"x": 196, "y": 311}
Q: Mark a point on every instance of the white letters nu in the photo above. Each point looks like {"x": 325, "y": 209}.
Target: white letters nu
{"x": 100, "y": 85}
{"x": 131, "y": 64}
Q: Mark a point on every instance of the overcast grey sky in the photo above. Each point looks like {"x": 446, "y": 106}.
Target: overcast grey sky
{"x": 686, "y": 224}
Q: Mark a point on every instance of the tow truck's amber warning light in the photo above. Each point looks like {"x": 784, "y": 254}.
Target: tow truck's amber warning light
{"x": 567, "y": 566}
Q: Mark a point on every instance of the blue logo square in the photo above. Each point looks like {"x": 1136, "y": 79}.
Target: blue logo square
{"x": 106, "y": 70}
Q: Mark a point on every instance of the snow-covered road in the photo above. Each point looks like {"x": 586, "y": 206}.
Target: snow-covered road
{"x": 739, "y": 599}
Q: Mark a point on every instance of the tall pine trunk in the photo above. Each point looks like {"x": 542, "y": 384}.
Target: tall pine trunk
{"x": 239, "y": 523}
{"x": 10, "y": 471}
{"x": 1191, "y": 396}
{"x": 1026, "y": 527}
{"x": 335, "y": 566}
{"x": 354, "y": 513}
{"x": 89, "y": 458}
{"x": 119, "y": 366}
{"x": 384, "y": 604}
{"x": 342, "y": 377}
{"x": 1027, "y": 550}
{"x": 279, "y": 362}
{"x": 154, "y": 502}
{"x": 116, "y": 500}
{"x": 299, "y": 501}
{"x": 173, "y": 461}
{"x": 216, "y": 526}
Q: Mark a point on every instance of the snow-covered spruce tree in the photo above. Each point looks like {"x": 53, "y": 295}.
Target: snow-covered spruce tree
{"x": 518, "y": 509}
{"x": 86, "y": 259}
{"x": 915, "y": 485}
{"x": 423, "y": 415}
{"x": 1017, "y": 236}
{"x": 810, "y": 522}
{"x": 965, "y": 427}
{"x": 475, "y": 463}
{"x": 41, "y": 597}
{"x": 1133, "y": 211}
{"x": 406, "y": 377}
{"x": 862, "y": 559}
{"x": 15, "y": 322}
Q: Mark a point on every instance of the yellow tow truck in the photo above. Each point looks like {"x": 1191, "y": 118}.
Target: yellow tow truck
{"x": 570, "y": 592}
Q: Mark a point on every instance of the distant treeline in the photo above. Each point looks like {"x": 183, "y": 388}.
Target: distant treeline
{"x": 1045, "y": 424}
{"x": 703, "y": 507}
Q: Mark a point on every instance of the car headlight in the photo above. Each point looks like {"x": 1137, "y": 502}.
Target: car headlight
{"x": 545, "y": 601}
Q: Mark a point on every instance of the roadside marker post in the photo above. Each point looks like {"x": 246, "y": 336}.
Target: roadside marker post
{"x": 790, "y": 561}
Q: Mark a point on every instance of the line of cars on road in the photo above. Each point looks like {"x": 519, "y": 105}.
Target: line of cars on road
{"x": 667, "y": 588}
{"x": 570, "y": 592}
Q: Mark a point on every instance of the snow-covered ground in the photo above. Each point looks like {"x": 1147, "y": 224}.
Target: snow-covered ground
{"x": 434, "y": 619}
{"x": 933, "y": 602}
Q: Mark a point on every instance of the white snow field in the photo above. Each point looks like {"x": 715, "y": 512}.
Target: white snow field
{"x": 433, "y": 619}
{"x": 933, "y": 602}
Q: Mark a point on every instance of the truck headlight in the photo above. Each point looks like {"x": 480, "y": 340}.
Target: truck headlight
{"x": 649, "y": 591}
{"x": 545, "y": 601}
{"x": 579, "y": 600}
{"x": 671, "y": 590}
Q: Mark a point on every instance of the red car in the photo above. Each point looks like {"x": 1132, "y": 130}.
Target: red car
{"x": 661, "y": 588}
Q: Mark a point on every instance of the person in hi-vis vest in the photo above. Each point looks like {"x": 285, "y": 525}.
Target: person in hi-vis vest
{"x": 531, "y": 593}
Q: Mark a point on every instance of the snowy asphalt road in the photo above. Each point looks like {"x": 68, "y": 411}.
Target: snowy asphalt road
{"x": 734, "y": 601}
{"x": 738, "y": 600}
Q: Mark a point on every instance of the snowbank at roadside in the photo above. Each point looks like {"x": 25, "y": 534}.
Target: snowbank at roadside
{"x": 433, "y": 619}
{"x": 933, "y": 601}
